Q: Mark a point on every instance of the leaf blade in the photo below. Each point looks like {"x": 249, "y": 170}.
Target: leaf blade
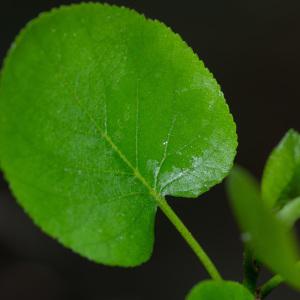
{"x": 225, "y": 290}
{"x": 281, "y": 175}
{"x": 106, "y": 117}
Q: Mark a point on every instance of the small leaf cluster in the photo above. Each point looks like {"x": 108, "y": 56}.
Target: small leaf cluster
{"x": 267, "y": 212}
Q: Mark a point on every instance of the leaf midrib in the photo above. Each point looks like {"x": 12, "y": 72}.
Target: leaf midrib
{"x": 135, "y": 172}
{"x": 153, "y": 193}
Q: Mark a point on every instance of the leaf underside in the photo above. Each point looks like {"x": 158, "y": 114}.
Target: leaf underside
{"x": 219, "y": 290}
{"x": 102, "y": 112}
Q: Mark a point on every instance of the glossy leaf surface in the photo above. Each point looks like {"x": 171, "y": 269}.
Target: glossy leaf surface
{"x": 102, "y": 113}
{"x": 219, "y": 290}
{"x": 270, "y": 239}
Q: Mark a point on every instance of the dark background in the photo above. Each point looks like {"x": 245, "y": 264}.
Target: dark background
{"x": 253, "y": 48}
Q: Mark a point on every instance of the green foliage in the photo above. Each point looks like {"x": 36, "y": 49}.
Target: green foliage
{"x": 219, "y": 290}
{"x": 281, "y": 176}
{"x": 290, "y": 213}
{"x": 102, "y": 114}
{"x": 270, "y": 239}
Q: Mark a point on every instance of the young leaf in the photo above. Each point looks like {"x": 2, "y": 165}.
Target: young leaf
{"x": 102, "y": 113}
{"x": 290, "y": 213}
{"x": 269, "y": 238}
{"x": 281, "y": 177}
{"x": 219, "y": 290}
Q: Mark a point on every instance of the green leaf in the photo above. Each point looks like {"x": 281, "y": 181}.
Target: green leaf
{"x": 219, "y": 290}
{"x": 281, "y": 178}
{"x": 269, "y": 238}
{"x": 102, "y": 114}
{"x": 290, "y": 213}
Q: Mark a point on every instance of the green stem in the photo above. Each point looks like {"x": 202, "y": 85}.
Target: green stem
{"x": 251, "y": 270}
{"x": 270, "y": 285}
{"x": 189, "y": 238}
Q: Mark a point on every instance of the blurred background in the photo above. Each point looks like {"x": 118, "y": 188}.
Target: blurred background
{"x": 253, "y": 49}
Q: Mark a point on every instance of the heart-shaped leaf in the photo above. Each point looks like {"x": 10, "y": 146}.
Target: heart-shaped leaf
{"x": 219, "y": 290}
{"x": 102, "y": 113}
{"x": 269, "y": 238}
{"x": 281, "y": 178}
